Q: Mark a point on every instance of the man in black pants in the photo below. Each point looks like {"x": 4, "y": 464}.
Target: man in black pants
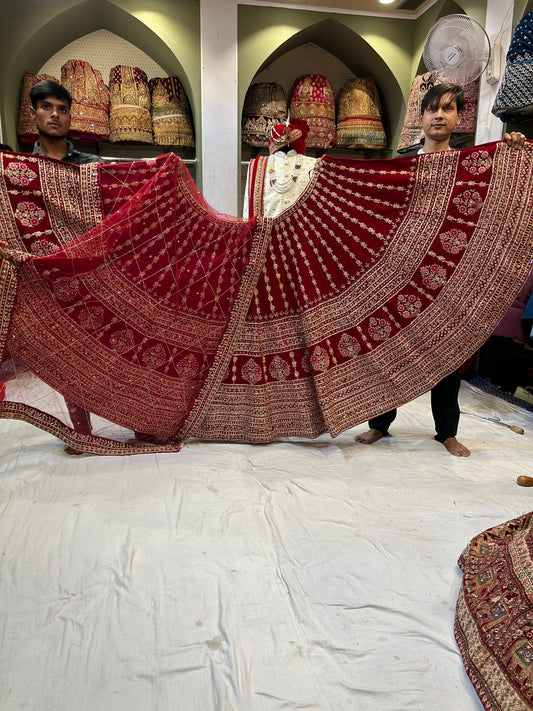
{"x": 441, "y": 111}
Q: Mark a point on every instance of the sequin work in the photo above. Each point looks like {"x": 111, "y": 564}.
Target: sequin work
{"x": 378, "y": 281}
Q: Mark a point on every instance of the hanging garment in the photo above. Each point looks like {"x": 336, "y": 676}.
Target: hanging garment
{"x": 90, "y": 101}
{"x": 411, "y": 134}
{"x": 312, "y": 100}
{"x": 514, "y": 100}
{"x": 359, "y": 115}
{"x": 130, "y": 120}
{"x": 162, "y": 316}
{"x": 264, "y": 106}
{"x": 26, "y": 129}
{"x": 494, "y": 613}
{"x": 274, "y": 182}
{"x": 468, "y": 120}
{"x": 171, "y": 113}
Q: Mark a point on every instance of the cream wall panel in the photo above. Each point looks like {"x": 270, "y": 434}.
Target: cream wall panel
{"x": 103, "y": 50}
{"x": 219, "y": 106}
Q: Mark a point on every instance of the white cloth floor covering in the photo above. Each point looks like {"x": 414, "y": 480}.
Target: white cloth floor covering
{"x": 235, "y": 577}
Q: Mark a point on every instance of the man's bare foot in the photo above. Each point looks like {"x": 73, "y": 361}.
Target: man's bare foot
{"x": 369, "y": 437}
{"x": 456, "y": 448}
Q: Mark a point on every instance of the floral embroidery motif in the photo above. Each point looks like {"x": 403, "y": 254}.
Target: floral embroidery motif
{"x": 477, "y": 162}
{"x": 19, "y": 174}
{"x": 379, "y": 329}
{"x": 279, "y": 369}
{"x": 320, "y": 359}
{"x": 251, "y": 372}
{"x": 42, "y": 247}
{"x": 349, "y": 346}
{"x": 409, "y": 305}
{"x": 187, "y": 367}
{"x": 306, "y": 362}
{"x": 468, "y": 202}
{"x": 155, "y": 356}
{"x": 29, "y": 214}
{"x": 66, "y": 288}
{"x": 433, "y": 276}
{"x": 121, "y": 341}
{"x": 71, "y": 192}
{"x": 91, "y": 317}
{"x": 453, "y": 241}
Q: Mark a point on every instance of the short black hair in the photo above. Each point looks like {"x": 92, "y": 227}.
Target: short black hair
{"x": 5, "y": 147}
{"x": 433, "y": 97}
{"x": 45, "y": 88}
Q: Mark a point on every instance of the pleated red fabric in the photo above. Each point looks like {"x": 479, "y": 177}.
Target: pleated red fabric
{"x": 135, "y": 300}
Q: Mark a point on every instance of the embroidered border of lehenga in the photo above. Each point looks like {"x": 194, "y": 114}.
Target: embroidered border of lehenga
{"x": 170, "y": 319}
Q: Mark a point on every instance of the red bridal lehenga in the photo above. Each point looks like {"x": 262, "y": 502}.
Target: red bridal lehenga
{"x": 128, "y": 297}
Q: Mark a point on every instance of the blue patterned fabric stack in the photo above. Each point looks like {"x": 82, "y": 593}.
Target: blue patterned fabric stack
{"x": 514, "y": 100}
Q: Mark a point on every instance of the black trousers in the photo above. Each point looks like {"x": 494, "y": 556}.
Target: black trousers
{"x": 444, "y": 406}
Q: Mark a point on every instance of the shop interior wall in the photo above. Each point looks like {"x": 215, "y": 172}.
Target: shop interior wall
{"x": 368, "y": 46}
{"x": 520, "y": 9}
{"x": 389, "y": 49}
{"x": 32, "y": 31}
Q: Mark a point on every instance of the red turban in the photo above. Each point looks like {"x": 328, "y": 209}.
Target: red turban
{"x": 292, "y": 134}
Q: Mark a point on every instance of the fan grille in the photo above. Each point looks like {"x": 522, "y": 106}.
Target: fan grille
{"x": 457, "y": 48}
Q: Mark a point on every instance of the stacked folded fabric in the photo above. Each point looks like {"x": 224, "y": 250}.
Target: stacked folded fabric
{"x": 171, "y": 114}
{"x": 130, "y": 120}
{"x": 26, "y": 130}
{"x": 359, "y": 115}
{"x": 265, "y": 105}
{"x": 90, "y": 101}
{"x": 313, "y": 100}
{"x": 514, "y": 100}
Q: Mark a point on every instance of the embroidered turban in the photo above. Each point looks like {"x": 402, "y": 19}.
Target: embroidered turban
{"x": 292, "y": 134}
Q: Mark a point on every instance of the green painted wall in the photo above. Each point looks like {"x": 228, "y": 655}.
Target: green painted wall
{"x": 428, "y": 19}
{"x": 366, "y": 45}
{"x": 388, "y": 49}
{"x": 33, "y": 31}
{"x": 520, "y": 9}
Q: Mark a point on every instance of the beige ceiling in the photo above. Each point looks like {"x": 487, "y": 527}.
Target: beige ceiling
{"x": 367, "y": 7}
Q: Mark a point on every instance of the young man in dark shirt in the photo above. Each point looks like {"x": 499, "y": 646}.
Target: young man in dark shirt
{"x": 440, "y": 112}
{"x": 51, "y": 104}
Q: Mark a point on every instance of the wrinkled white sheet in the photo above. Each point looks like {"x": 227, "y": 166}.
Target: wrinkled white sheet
{"x": 232, "y": 577}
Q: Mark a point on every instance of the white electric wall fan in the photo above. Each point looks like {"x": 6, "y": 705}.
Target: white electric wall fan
{"x": 457, "y": 49}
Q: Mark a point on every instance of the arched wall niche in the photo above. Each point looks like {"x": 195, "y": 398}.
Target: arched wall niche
{"x": 76, "y": 21}
{"x": 358, "y": 56}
